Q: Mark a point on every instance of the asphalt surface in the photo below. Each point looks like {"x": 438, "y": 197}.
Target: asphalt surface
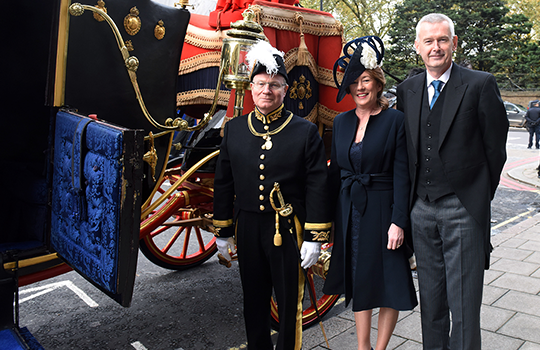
{"x": 201, "y": 308}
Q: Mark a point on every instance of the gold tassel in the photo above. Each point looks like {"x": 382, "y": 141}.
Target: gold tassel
{"x": 277, "y": 236}
{"x": 303, "y": 52}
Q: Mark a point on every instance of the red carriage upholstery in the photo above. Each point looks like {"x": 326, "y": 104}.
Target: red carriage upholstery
{"x": 199, "y": 68}
{"x": 228, "y": 11}
{"x": 311, "y": 41}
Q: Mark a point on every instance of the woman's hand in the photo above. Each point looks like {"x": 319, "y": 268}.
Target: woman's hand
{"x": 395, "y": 237}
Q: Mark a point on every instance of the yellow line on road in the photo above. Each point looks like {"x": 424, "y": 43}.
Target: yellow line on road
{"x": 511, "y": 219}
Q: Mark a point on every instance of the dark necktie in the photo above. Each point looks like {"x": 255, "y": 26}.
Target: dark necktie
{"x": 437, "y": 84}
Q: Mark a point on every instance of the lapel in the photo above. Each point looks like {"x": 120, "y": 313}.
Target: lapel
{"x": 348, "y": 133}
{"x": 414, "y": 106}
{"x": 455, "y": 91}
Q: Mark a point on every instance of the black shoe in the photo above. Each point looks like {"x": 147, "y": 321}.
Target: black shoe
{"x": 529, "y": 147}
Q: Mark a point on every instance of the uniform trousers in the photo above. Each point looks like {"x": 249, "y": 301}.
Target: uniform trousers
{"x": 263, "y": 266}
{"x": 534, "y": 131}
{"x": 450, "y": 261}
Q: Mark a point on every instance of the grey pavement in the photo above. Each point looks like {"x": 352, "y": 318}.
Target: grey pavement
{"x": 510, "y": 316}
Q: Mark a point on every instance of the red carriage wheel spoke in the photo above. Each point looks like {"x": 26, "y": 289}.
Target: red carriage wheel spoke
{"x": 200, "y": 239}
{"x": 159, "y": 231}
{"x": 186, "y": 243}
{"x": 172, "y": 240}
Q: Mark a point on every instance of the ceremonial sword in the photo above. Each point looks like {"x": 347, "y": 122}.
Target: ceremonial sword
{"x": 286, "y": 210}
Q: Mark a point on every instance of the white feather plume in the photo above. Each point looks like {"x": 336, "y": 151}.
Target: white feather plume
{"x": 264, "y": 53}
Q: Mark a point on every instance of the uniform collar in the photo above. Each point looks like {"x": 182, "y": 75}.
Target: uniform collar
{"x": 270, "y": 117}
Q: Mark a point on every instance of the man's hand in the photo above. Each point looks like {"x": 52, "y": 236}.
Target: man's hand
{"x": 223, "y": 246}
{"x": 309, "y": 253}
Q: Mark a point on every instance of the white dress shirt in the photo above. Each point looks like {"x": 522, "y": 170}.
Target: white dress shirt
{"x": 444, "y": 78}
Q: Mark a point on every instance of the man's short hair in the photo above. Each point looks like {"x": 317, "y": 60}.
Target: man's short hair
{"x": 435, "y": 18}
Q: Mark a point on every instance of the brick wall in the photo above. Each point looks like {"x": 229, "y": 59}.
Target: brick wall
{"x": 520, "y": 97}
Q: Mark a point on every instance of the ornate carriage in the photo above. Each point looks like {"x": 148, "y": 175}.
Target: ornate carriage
{"x": 116, "y": 123}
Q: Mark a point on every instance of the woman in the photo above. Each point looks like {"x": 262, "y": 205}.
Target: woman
{"x": 370, "y": 183}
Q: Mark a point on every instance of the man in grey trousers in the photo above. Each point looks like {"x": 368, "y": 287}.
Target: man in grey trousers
{"x": 456, "y": 130}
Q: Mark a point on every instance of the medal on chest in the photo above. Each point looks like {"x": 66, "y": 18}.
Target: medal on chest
{"x": 268, "y": 142}
{"x": 267, "y": 136}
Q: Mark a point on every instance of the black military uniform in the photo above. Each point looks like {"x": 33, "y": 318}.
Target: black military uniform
{"x": 247, "y": 168}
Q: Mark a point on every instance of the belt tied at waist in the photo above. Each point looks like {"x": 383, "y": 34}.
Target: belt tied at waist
{"x": 356, "y": 184}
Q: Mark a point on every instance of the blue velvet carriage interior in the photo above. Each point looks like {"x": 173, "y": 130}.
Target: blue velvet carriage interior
{"x": 96, "y": 201}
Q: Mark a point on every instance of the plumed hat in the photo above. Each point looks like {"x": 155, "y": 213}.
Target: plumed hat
{"x": 368, "y": 54}
{"x": 264, "y": 58}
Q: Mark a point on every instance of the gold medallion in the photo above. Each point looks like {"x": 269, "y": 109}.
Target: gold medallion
{"x": 100, "y": 5}
{"x": 268, "y": 144}
{"x": 159, "y": 30}
{"x": 132, "y": 22}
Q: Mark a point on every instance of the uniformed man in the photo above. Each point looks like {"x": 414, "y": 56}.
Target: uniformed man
{"x": 264, "y": 154}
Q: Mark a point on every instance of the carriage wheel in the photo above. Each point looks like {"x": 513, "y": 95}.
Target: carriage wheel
{"x": 179, "y": 236}
{"x": 315, "y": 281}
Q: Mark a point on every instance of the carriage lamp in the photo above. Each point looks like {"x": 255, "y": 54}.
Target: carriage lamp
{"x": 235, "y": 72}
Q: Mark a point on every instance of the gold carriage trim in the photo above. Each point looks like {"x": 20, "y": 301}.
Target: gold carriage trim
{"x": 321, "y": 236}
{"x": 282, "y": 19}
{"x": 202, "y": 96}
{"x": 290, "y": 62}
{"x": 327, "y": 115}
{"x": 206, "y": 39}
{"x": 313, "y": 115}
{"x": 201, "y": 61}
{"x": 322, "y": 75}
{"x": 317, "y": 226}
{"x": 222, "y": 223}
{"x": 326, "y": 77}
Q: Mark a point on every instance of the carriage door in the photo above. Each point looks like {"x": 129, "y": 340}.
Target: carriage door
{"x": 96, "y": 201}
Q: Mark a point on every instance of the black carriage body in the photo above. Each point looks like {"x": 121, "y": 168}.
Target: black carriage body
{"x": 72, "y": 187}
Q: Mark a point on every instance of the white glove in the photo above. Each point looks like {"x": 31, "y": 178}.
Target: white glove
{"x": 223, "y": 246}
{"x": 309, "y": 253}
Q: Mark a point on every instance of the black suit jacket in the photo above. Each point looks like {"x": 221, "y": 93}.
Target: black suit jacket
{"x": 533, "y": 116}
{"x": 472, "y": 138}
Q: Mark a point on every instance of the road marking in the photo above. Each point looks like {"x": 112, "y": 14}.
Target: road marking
{"x": 52, "y": 286}
{"x": 521, "y": 162}
{"x": 516, "y": 185}
{"x": 511, "y": 220}
{"x": 137, "y": 345}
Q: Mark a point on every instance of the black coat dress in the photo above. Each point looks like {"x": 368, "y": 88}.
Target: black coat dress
{"x": 380, "y": 193}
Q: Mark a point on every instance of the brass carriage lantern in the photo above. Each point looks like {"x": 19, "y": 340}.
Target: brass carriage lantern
{"x": 242, "y": 35}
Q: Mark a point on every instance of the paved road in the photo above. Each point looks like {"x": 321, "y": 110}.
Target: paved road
{"x": 196, "y": 309}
